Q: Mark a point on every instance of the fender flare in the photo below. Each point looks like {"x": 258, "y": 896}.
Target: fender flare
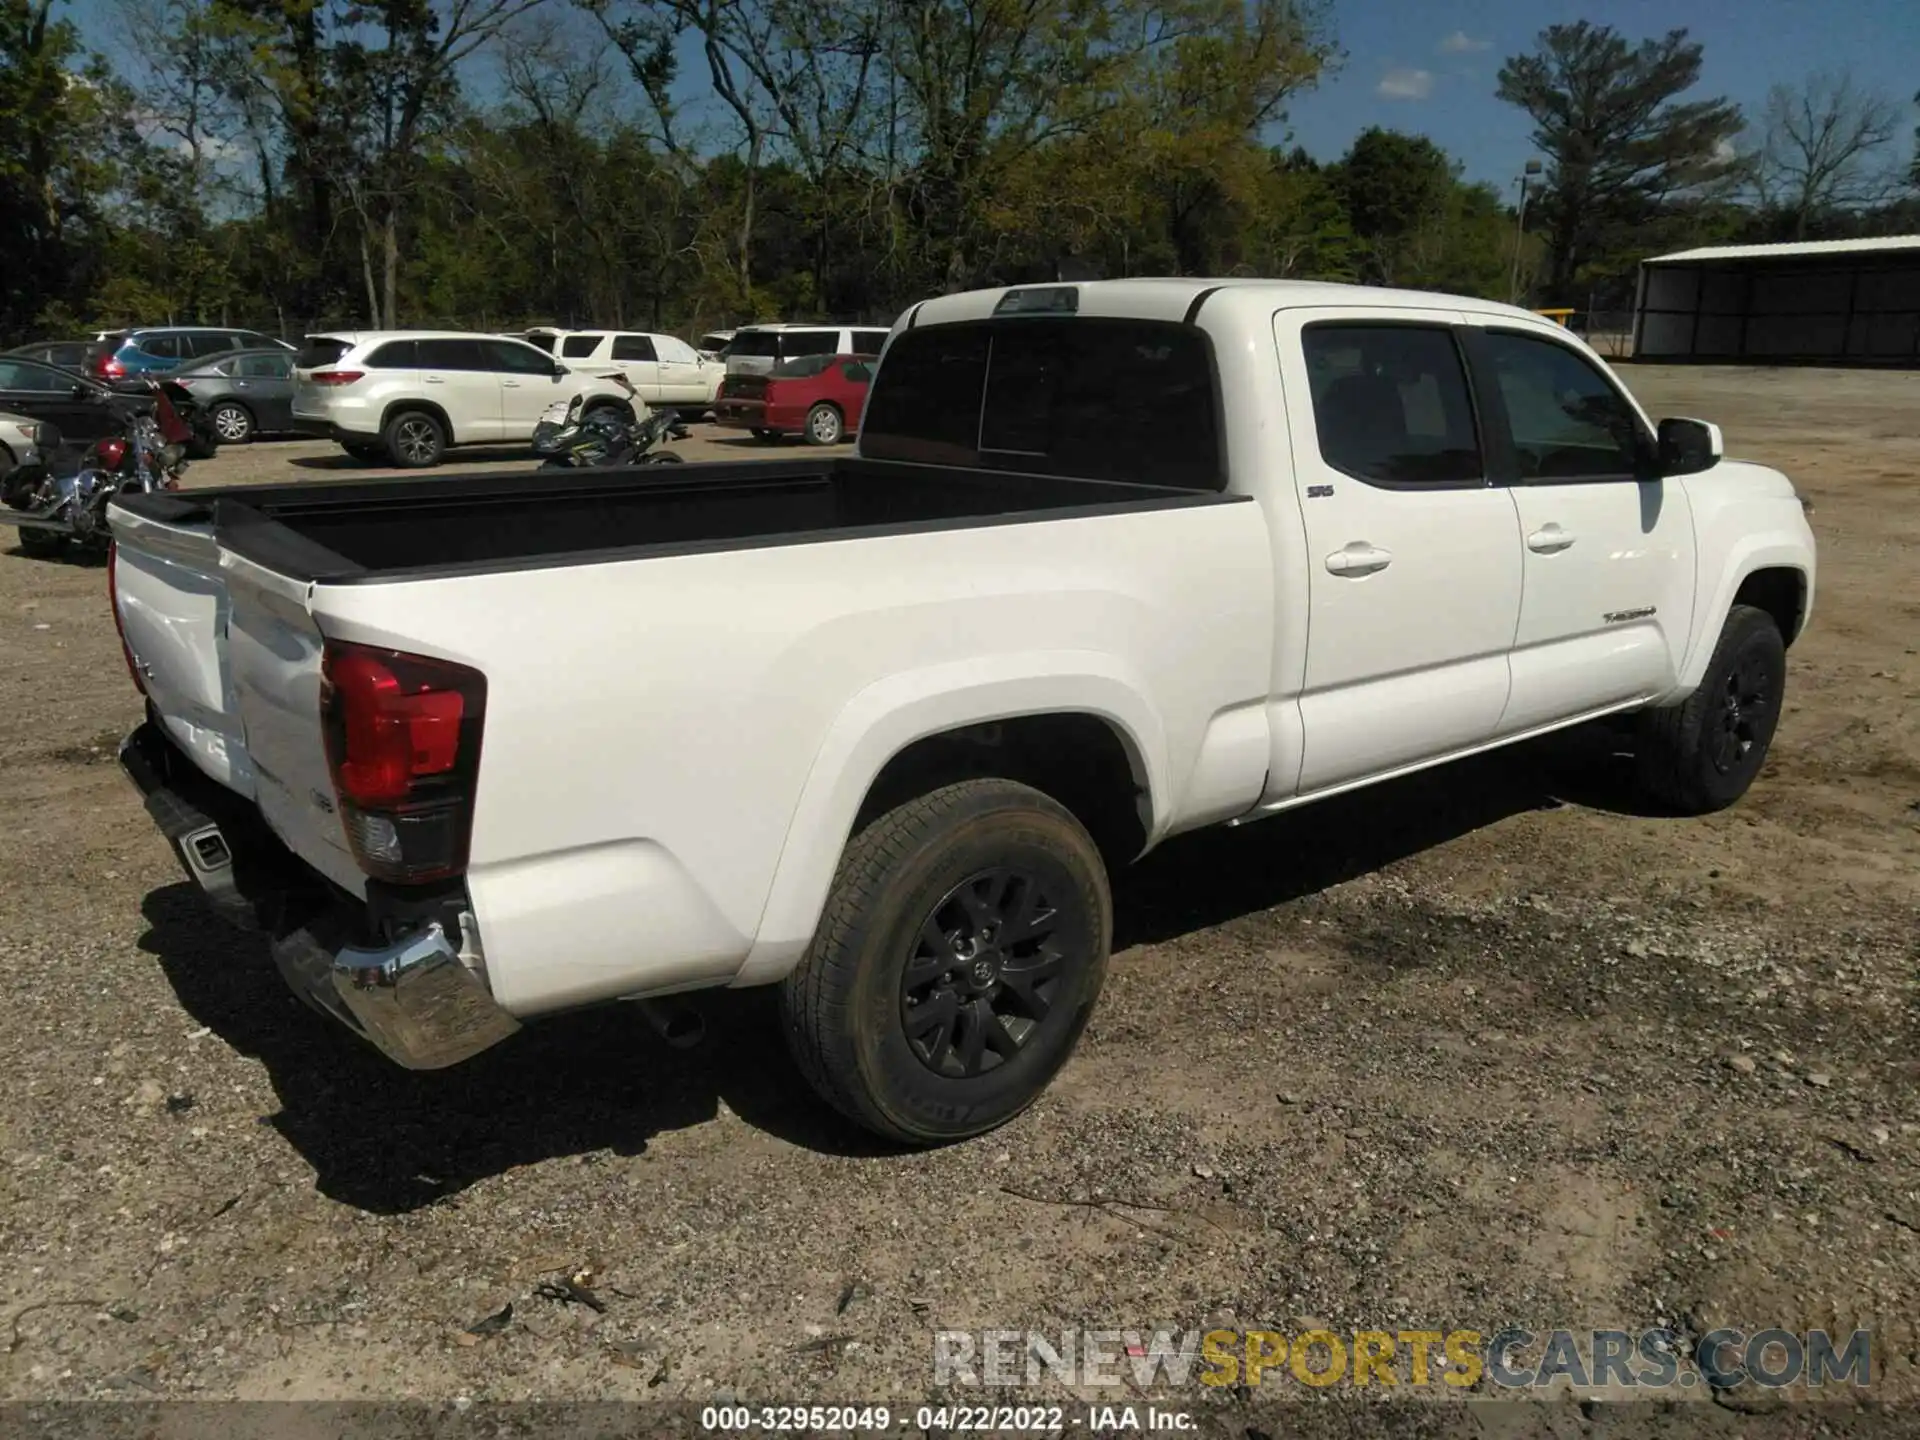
{"x": 1766, "y": 551}
{"x": 885, "y": 718}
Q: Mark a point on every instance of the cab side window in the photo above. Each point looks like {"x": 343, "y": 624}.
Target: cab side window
{"x": 579, "y": 347}
{"x": 633, "y": 347}
{"x": 1391, "y": 404}
{"x": 1567, "y": 420}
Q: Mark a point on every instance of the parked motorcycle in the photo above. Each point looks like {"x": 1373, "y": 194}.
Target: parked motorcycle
{"x": 570, "y": 440}
{"x": 60, "y": 505}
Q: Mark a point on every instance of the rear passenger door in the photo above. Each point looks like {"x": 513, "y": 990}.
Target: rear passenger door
{"x": 527, "y": 385}
{"x": 458, "y": 376}
{"x": 1413, "y": 555}
{"x": 267, "y": 382}
{"x": 635, "y": 356}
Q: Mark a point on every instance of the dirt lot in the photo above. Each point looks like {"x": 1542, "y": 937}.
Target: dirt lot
{"x": 1479, "y": 1048}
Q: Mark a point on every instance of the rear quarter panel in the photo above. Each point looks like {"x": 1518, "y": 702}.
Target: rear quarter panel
{"x": 675, "y": 747}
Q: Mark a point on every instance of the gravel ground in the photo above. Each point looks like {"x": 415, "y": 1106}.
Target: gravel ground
{"x": 1482, "y": 1047}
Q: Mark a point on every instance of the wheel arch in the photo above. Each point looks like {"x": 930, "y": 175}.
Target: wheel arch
{"x": 1772, "y": 575}
{"x": 425, "y": 407}
{"x": 1072, "y": 731}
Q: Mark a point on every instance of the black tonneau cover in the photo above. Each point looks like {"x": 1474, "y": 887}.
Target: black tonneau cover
{"x": 360, "y": 531}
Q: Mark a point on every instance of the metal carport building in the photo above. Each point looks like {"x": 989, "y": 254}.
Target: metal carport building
{"x": 1824, "y": 302}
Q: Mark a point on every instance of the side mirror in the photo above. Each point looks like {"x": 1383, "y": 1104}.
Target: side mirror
{"x": 558, "y": 370}
{"x": 1688, "y": 446}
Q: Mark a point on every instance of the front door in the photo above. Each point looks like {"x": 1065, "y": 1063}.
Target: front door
{"x": 1413, "y": 555}
{"x": 527, "y": 386}
{"x": 635, "y": 355}
{"x": 1607, "y": 548}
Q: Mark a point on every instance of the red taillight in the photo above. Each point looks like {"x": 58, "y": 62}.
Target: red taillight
{"x": 108, "y": 367}
{"x": 110, "y": 452}
{"x": 403, "y": 742}
{"x": 113, "y": 604}
{"x": 336, "y": 377}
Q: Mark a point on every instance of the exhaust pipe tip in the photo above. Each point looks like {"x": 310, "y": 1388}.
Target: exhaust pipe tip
{"x": 680, "y": 1025}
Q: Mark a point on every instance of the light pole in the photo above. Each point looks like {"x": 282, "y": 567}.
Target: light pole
{"x": 1531, "y": 168}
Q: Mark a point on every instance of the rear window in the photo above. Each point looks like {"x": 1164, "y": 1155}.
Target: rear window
{"x": 795, "y": 343}
{"x": 755, "y": 342}
{"x": 576, "y": 347}
{"x": 805, "y": 366}
{"x": 1092, "y": 399}
{"x": 320, "y": 350}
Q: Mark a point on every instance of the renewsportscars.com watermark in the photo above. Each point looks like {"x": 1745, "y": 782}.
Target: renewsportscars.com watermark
{"x": 1509, "y": 1359}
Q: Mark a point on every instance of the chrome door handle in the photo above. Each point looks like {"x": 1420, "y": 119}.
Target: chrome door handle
{"x": 1358, "y": 558}
{"x": 1549, "y": 539}
{"x": 435, "y": 380}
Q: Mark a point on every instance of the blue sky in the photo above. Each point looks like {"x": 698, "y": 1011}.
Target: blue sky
{"x": 1428, "y": 66}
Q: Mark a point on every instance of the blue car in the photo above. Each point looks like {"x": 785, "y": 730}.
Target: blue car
{"x": 155, "y": 349}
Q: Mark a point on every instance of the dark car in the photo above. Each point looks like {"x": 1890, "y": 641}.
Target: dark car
{"x": 84, "y": 410}
{"x": 821, "y": 397}
{"x": 157, "y": 348}
{"x": 244, "y": 394}
{"x": 67, "y": 354}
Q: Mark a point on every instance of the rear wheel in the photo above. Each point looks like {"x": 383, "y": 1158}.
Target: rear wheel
{"x": 415, "y": 440}
{"x": 662, "y": 457}
{"x": 824, "y": 425}
{"x": 957, "y": 961}
{"x": 232, "y": 422}
{"x": 1701, "y": 755}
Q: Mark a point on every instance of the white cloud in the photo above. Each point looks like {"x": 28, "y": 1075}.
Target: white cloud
{"x": 1461, "y": 43}
{"x": 1404, "y": 84}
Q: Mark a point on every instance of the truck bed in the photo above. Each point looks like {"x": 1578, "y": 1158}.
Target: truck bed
{"x": 360, "y": 531}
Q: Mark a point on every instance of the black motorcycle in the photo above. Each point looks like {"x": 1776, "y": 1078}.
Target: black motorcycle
{"x": 570, "y": 440}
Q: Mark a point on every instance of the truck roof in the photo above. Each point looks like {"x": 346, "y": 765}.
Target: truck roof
{"x": 1174, "y": 298}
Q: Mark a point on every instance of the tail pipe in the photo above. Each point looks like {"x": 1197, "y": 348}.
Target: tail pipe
{"x": 675, "y": 1022}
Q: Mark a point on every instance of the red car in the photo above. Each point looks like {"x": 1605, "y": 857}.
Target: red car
{"x": 818, "y": 396}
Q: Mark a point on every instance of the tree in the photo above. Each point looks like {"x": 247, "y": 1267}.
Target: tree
{"x": 1620, "y": 144}
{"x": 1396, "y": 188}
{"x": 1823, "y": 151}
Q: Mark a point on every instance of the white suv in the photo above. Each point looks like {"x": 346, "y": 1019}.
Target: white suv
{"x": 407, "y": 395}
{"x": 756, "y": 349}
{"x": 663, "y": 368}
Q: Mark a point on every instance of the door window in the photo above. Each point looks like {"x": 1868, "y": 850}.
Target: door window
{"x": 674, "y": 350}
{"x": 1391, "y": 404}
{"x": 1568, "y": 422}
{"x": 162, "y": 347}
{"x": 633, "y": 347}
{"x": 452, "y": 355}
{"x": 265, "y": 367}
{"x": 511, "y": 357}
{"x": 868, "y": 342}
{"x": 579, "y": 347}
{"x": 857, "y": 371}
{"x": 23, "y": 375}
{"x": 206, "y": 342}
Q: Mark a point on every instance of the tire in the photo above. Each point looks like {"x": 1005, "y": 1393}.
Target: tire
{"x": 861, "y": 1010}
{"x": 824, "y": 425}
{"x": 42, "y": 544}
{"x": 232, "y": 422}
{"x": 662, "y": 457}
{"x": 1701, "y": 755}
{"x": 414, "y": 440}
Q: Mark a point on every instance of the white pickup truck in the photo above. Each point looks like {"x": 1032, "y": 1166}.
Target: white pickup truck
{"x": 1113, "y": 561}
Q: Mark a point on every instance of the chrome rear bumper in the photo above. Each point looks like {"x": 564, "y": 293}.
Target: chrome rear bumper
{"x": 416, "y": 999}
